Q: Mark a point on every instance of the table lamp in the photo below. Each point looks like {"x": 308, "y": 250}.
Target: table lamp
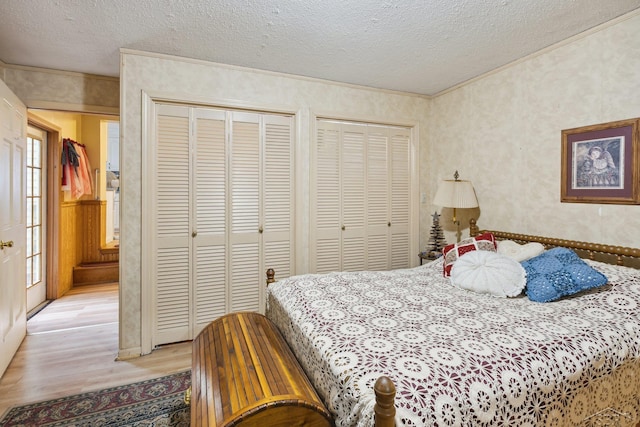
{"x": 457, "y": 194}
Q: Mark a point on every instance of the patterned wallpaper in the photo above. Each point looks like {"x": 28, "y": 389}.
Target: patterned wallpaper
{"x": 503, "y": 132}
{"x": 63, "y": 90}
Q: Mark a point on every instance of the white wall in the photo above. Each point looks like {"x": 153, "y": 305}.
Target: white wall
{"x": 226, "y": 86}
{"x": 503, "y": 132}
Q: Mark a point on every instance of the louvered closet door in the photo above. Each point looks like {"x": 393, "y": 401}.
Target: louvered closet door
{"x": 223, "y": 190}
{"x": 209, "y": 217}
{"x": 261, "y": 216}
{"x": 244, "y": 238}
{"x": 400, "y": 152}
{"x": 353, "y": 191}
{"x": 339, "y": 203}
{"x": 172, "y": 228}
{"x": 277, "y": 201}
{"x": 325, "y": 203}
{"x": 360, "y": 203}
{"x": 378, "y": 201}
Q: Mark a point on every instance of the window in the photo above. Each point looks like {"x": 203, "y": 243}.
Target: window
{"x": 35, "y": 204}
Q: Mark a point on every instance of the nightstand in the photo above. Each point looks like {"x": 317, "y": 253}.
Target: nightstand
{"x": 429, "y": 256}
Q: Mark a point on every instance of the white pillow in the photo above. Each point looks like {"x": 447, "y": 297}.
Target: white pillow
{"x": 489, "y": 272}
{"x": 519, "y": 252}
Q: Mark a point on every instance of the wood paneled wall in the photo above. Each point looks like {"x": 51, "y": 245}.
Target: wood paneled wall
{"x": 92, "y": 232}
{"x": 68, "y": 257}
{"x": 82, "y": 233}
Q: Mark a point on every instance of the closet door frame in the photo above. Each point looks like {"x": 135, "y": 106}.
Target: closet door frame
{"x": 414, "y": 188}
{"x": 148, "y": 129}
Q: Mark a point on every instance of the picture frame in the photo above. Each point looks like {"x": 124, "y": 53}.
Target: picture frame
{"x": 600, "y": 163}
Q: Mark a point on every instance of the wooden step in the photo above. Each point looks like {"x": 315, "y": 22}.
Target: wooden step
{"x": 96, "y": 272}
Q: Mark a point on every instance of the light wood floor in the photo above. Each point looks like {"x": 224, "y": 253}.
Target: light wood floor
{"x": 71, "y": 347}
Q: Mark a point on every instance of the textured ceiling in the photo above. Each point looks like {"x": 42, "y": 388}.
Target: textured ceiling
{"x": 420, "y": 46}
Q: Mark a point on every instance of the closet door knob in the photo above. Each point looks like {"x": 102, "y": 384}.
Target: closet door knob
{"x": 344, "y": 228}
{"x": 194, "y": 234}
{"x": 260, "y": 230}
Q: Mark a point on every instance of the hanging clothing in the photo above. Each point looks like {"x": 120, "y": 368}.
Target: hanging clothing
{"x": 69, "y": 160}
{"x": 86, "y": 177}
{"x": 76, "y": 169}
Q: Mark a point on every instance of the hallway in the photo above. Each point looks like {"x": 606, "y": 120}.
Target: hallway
{"x": 71, "y": 347}
{"x": 82, "y": 306}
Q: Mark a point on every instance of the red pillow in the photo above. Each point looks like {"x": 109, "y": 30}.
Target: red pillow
{"x": 482, "y": 242}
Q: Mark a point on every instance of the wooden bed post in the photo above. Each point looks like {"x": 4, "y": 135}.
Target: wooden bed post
{"x": 271, "y": 276}
{"x": 384, "y": 410}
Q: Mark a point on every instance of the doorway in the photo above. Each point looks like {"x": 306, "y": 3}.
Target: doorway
{"x": 73, "y": 230}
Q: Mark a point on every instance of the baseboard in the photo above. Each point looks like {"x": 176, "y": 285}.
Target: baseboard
{"x": 129, "y": 353}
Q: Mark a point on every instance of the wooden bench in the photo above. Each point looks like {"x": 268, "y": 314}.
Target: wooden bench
{"x": 244, "y": 374}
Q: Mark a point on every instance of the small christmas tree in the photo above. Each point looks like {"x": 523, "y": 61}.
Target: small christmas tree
{"x": 436, "y": 238}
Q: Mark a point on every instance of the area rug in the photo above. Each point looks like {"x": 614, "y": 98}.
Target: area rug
{"x": 157, "y": 402}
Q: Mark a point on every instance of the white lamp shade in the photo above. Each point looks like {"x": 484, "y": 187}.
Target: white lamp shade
{"x": 456, "y": 194}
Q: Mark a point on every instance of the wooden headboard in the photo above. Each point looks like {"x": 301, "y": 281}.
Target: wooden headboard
{"x": 610, "y": 254}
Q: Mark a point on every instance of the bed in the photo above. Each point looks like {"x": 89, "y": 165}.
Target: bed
{"x": 456, "y": 357}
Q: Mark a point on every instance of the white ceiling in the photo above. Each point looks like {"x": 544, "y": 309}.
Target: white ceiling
{"x": 419, "y": 46}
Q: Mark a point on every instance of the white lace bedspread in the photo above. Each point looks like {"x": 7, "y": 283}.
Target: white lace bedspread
{"x": 461, "y": 358}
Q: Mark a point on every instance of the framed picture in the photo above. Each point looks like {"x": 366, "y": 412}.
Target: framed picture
{"x": 600, "y": 163}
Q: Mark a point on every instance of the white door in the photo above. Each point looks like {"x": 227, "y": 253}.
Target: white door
{"x": 340, "y": 197}
{"x": 277, "y": 199}
{"x": 353, "y": 201}
{"x": 326, "y": 198}
{"x": 36, "y": 219}
{"x": 190, "y": 221}
{"x": 244, "y": 211}
{"x": 209, "y": 231}
{"x": 261, "y": 208}
{"x": 13, "y": 145}
{"x": 223, "y": 210}
{"x": 402, "y": 250}
{"x": 361, "y": 201}
{"x": 378, "y": 191}
{"x": 171, "y": 216}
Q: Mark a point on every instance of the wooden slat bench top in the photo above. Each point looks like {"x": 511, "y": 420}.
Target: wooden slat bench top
{"x": 244, "y": 374}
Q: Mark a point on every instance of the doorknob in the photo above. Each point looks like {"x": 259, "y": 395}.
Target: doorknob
{"x": 8, "y": 244}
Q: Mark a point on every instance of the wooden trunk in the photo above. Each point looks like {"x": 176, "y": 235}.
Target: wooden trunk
{"x": 244, "y": 374}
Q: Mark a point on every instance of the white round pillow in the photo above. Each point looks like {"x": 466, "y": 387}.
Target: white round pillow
{"x": 489, "y": 272}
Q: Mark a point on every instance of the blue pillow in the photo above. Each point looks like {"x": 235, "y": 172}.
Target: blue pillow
{"x": 559, "y": 272}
